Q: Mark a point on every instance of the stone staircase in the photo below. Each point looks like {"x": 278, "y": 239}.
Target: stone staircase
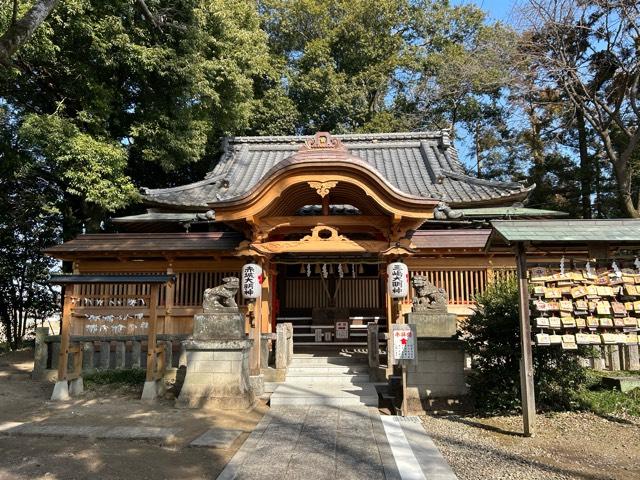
{"x": 326, "y": 380}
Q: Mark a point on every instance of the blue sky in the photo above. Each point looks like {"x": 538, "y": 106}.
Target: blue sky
{"x": 497, "y": 9}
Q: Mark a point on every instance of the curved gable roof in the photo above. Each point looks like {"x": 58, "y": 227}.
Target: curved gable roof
{"x": 422, "y": 164}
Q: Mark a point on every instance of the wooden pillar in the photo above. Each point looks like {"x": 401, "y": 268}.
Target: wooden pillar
{"x": 170, "y": 290}
{"x": 526, "y": 360}
{"x": 65, "y": 333}
{"x": 389, "y": 302}
{"x": 152, "y": 332}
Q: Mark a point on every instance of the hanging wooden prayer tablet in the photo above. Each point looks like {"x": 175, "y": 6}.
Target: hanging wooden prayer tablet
{"x": 581, "y": 322}
{"x": 594, "y": 339}
{"x": 636, "y": 306}
{"x": 568, "y": 322}
{"x": 618, "y": 309}
{"x": 579, "y": 291}
{"x": 606, "y": 322}
{"x": 538, "y": 290}
{"x": 618, "y": 322}
{"x": 632, "y": 339}
{"x": 631, "y": 290}
{"x": 621, "y": 338}
{"x": 538, "y": 274}
{"x": 630, "y": 322}
{"x": 542, "y": 322}
{"x": 542, "y": 339}
{"x": 592, "y": 292}
{"x": 576, "y": 276}
{"x": 566, "y": 306}
{"x": 608, "y": 338}
{"x": 592, "y": 322}
{"x": 541, "y": 306}
{"x": 583, "y": 339}
{"x": 555, "y": 339}
{"x": 554, "y": 322}
{"x": 603, "y": 308}
{"x": 569, "y": 342}
{"x": 552, "y": 293}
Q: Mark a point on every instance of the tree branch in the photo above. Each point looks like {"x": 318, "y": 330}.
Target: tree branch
{"x": 20, "y": 31}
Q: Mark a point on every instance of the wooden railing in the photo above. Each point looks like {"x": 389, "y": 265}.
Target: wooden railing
{"x": 463, "y": 284}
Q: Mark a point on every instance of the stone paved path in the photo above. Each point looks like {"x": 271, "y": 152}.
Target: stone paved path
{"x": 315, "y": 443}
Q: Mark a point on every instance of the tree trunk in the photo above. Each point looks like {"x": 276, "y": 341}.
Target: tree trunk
{"x": 623, "y": 177}
{"x": 19, "y": 32}
{"x": 585, "y": 166}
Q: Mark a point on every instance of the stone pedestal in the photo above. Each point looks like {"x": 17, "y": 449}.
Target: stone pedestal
{"x": 436, "y": 381}
{"x": 217, "y": 357}
{"x": 436, "y": 324}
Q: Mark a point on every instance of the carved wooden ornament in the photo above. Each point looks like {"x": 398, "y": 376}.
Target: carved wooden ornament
{"x": 323, "y": 188}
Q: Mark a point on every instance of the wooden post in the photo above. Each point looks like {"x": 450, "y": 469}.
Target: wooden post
{"x": 151, "y": 335}
{"x": 404, "y": 389}
{"x": 526, "y": 361}
{"x": 253, "y": 310}
{"x": 63, "y": 358}
{"x": 389, "y": 302}
{"x": 170, "y": 291}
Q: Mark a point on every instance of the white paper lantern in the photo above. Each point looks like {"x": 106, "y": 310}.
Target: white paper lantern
{"x": 251, "y": 282}
{"x": 397, "y": 280}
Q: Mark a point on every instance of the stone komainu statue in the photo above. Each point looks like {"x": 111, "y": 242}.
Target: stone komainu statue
{"x": 428, "y": 296}
{"x": 222, "y": 295}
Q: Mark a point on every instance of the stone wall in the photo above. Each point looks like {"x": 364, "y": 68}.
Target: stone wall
{"x": 437, "y": 379}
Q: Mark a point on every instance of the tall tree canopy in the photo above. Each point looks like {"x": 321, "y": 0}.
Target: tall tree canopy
{"x": 589, "y": 51}
{"x": 100, "y": 97}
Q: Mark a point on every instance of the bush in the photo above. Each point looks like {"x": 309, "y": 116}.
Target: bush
{"x": 133, "y": 377}
{"x": 492, "y": 338}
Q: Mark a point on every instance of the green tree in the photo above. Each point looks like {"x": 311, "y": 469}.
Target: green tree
{"x": 589, "y": 52}
{"x": 492, "y": 338}
{"x": 141, "y": 90}
{"x": 29, "y": 222}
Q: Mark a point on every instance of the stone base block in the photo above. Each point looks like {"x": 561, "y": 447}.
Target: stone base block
{"x": 418, "y": 405}
{"x": 432, "y": 324}
{"x": 153, "y": 389}
{"x": 436, "y": 381}
{"x": 220, "y": 323}
{"x": 217, "y": 375}
{"x": 257, "y": 384}
{"x": 76, "y": 387}
{"x": 61, "y": 391}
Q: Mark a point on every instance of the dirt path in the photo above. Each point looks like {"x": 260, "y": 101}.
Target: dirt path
{"x": 566, "y": 446}
{"x": 79, "y": 458}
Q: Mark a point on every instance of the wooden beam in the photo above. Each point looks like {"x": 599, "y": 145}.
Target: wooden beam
{"x": 67, "y": 306}
{"x": 526, "y": 361}
{"x": 152, "y": 332}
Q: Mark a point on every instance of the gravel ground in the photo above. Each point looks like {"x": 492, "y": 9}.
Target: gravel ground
{"x": 566, "y": 446}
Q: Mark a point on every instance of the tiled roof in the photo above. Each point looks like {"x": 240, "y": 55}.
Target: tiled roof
{"x": 566, "y": 231}
{"x": 421, "y": 164}
{"x": 136, "y": 243}
{"x": 495, "y": 212}
{"x": 450, "y": 239}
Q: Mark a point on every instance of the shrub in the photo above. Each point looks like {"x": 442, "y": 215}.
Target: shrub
{"x": 492, "y": 338}
{"x": 133, "y": 377}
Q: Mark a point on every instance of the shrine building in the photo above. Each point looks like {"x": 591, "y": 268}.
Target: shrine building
{"x": 323, "y": 215}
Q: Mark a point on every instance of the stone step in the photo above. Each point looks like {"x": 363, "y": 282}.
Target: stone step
{"x": 308, "y": 359}
{"x": 313, "y": 370}
{"x": 342, "y": 379}
{"x": 287, "y": 394}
